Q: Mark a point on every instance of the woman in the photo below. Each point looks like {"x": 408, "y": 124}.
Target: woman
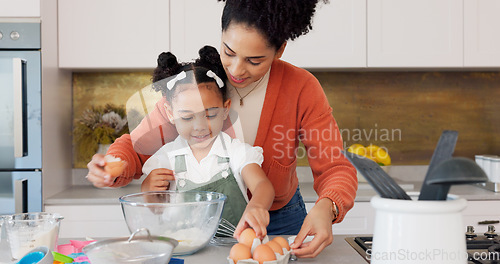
{"x": 277, "y": 104}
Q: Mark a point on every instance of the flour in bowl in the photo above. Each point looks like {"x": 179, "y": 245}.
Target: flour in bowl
{"x": 190, "y": 239}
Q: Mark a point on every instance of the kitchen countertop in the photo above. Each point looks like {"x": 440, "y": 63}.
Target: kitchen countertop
{"x": 409, "y": 177}
{"x": 338, "y": 252}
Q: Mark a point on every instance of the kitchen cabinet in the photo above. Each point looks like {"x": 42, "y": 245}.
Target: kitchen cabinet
{"x": 195, "y": 23}
{"x": 337, "y": 39}
{"x": 481, "y": 34}
{"x": 415, "y": 33}
{"x": 112, "y": 34}
{"x": 20, "y": 8}
{"x": 98, "y": 220}
{"x": 129, "y": 34}
{"x": 109, "y": 39}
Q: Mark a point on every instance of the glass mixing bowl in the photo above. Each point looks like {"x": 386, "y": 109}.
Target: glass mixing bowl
{"x": 190, "y": 217}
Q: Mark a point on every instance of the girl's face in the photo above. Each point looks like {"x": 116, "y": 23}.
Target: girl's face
{"x": 198, "y": 114}
{"x": 246, "y": 54}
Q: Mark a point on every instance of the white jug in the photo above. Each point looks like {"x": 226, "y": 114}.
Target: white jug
{"x": 412, "y": 231}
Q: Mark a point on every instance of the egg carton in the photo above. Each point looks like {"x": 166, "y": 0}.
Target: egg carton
{"x": 280, "y": 259}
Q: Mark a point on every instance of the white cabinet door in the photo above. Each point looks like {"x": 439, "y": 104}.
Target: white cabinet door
{"x": 112, "y": 34}
{"x": 19, "y": 8}
{"x": 90, "y": 220}
{"x": 195, "y": 23}
{"x": 337, "y": 40}
{"x": 415, "y": 33}
{"x": 481, "y": 33}
{"x": 359, "y": 220}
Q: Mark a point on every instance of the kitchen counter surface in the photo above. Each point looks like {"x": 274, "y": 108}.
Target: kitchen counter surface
{"x": 86, "y": 194}
{"x": 409, "y": 177}
{"x": 338, "y": 252}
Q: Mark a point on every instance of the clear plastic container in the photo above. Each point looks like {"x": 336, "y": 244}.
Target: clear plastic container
{"x": 30, "y": 230}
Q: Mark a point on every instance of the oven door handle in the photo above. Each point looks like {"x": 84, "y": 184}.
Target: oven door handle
{"x": 21, "y": 196}
{"x": 20, "y": 108}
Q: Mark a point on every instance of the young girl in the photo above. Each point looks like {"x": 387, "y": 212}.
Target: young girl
{"x": 203, "y": 157}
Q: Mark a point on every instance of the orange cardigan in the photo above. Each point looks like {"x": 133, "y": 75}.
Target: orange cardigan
{"x": 295, "y": 109}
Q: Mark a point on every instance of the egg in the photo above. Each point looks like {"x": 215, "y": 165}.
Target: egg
{"x": 240, "y": 251}
{"x": 247, "y": 237}
{"x": 282, "y": 242}
{"x": 275, "y": 247}
{"x": 114, "y": 166}
{"x": 263, "y": 253}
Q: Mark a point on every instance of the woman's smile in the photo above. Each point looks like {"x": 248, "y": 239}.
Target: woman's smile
{"x": 237, "y": 80}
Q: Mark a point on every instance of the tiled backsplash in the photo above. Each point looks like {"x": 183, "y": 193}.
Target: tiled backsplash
{"x": 403, "y": 111}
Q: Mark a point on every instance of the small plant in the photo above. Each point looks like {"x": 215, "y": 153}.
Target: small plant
{"x": 97, "y": 125}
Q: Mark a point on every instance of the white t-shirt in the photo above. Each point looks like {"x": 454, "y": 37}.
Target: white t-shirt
{"x": 240, "y": 154}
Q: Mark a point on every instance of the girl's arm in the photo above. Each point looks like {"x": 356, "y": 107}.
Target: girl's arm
{"x": 256, "y": 214}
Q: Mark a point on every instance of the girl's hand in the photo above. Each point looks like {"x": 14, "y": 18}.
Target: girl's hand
{"x": 318, "y": 223}
{"x": 158, "y": 180}
{"x": 256, "y": 218}
{"x": 97, "y": 175}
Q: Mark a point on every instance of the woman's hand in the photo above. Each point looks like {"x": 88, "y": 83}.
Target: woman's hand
{"x": 158, "y": 180}
{"x": 256, "y": 218}
{"x": 97, "y": 175}
{"x": 318, "y": 223}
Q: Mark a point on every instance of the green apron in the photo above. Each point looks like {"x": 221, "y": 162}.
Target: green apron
{"x": 222, "y": 182}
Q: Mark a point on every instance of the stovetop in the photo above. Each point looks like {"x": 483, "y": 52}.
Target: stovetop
{"x": 481, "y": 249}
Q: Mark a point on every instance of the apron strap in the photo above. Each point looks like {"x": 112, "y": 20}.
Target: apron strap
{"x": 180, "y": 164}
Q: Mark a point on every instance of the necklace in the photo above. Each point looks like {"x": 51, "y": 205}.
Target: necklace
{"x": 242, "y": 97}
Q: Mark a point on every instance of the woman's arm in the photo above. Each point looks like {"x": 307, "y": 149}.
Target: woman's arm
{"x": 256, "y": 214}
{"x": 134, "y": 148}
{"x": 335, "y": 178}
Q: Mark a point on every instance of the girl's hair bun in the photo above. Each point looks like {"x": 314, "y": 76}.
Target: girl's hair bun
{"x": 167, "y": 66}
{"x": 209, "y": 55}
{"x": 167, "y": 60}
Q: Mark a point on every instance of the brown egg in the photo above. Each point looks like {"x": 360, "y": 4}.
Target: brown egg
{"x": 240, "y": 251}
{"x": 115, "y": 168}
{"x": 282, "y": 242}
{"x": 275, "y": 247}
{"x": 263, "y": 253}
{"x": 247, "y": 237}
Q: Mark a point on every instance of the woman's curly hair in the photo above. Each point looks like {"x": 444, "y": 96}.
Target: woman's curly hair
{"x": 277, "y": 20}
{"x": 168, "y": 66}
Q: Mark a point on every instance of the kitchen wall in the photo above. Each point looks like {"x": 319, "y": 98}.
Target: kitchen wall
{"x": 402, "y": 111}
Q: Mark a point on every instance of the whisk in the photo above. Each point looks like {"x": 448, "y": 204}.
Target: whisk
{"x": 226, "y": 229}
{"x": 224, "y": 234}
